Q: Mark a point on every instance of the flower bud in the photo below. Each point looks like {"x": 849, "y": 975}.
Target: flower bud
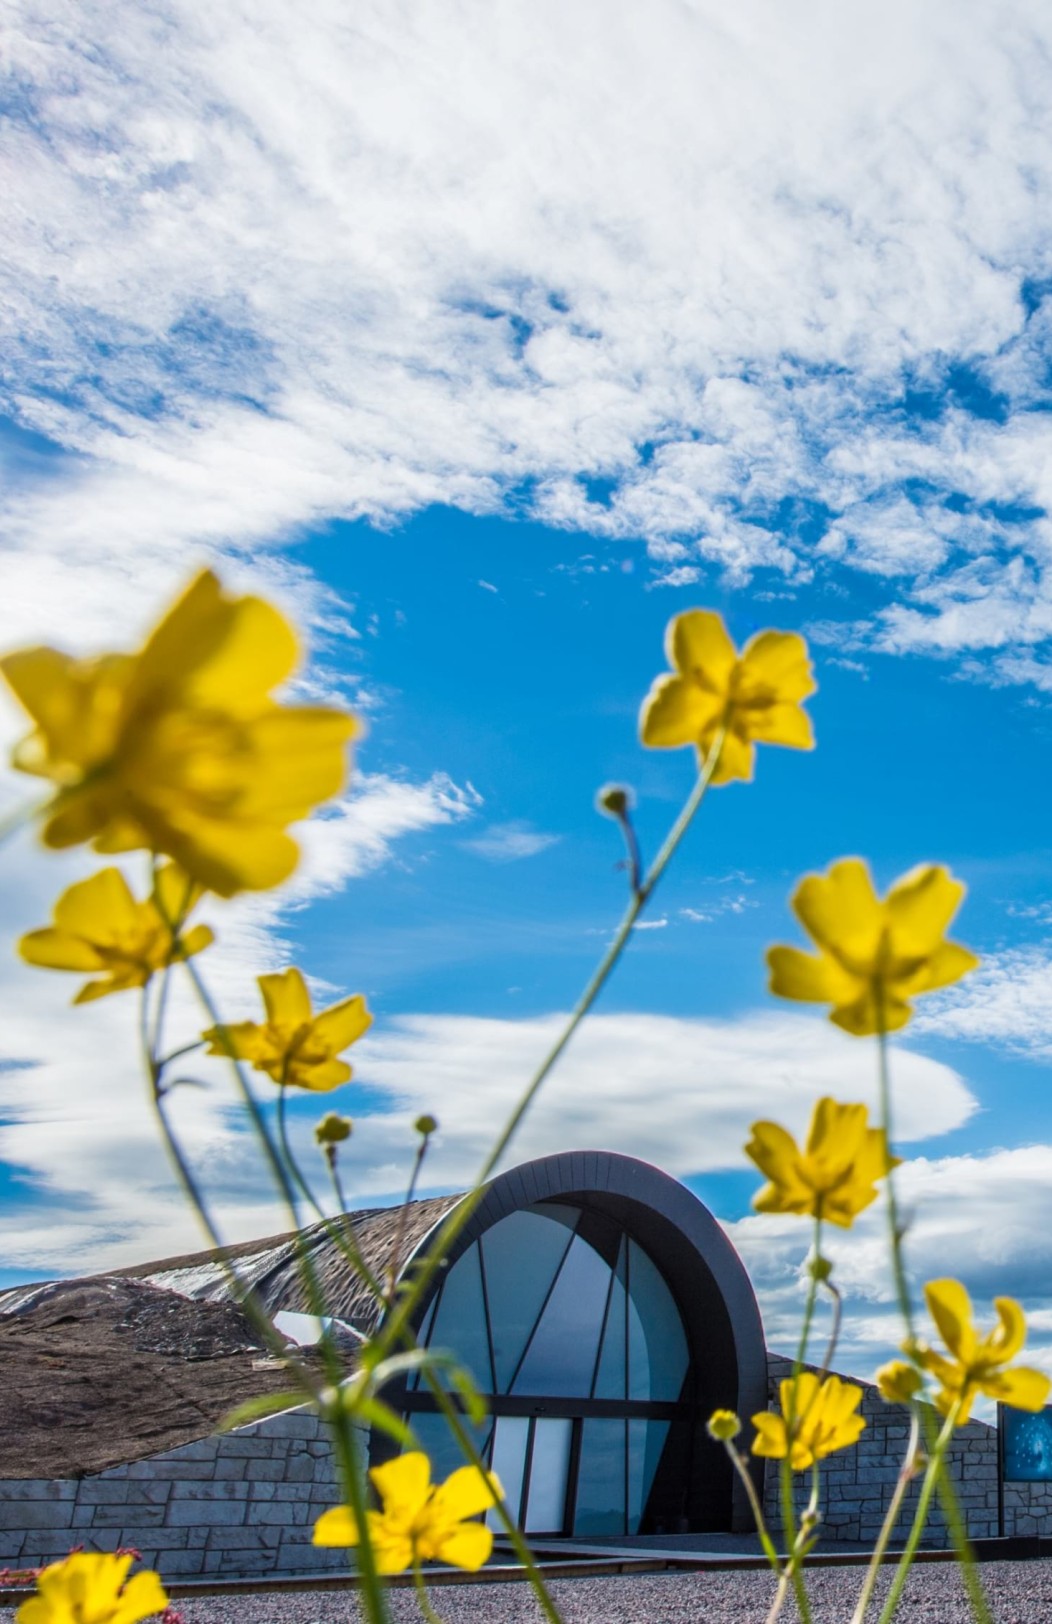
{"x": 426, "y": 1126}
{"x": 723, "y": 1425}
{"x": 333, "y": 1128}
{"x": 819, "y": 1268}
{"x": 899, "y": 1382}
{"x": 615, "y": 800}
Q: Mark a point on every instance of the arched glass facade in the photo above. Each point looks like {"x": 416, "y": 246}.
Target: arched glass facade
{"x": 572, "y": 1332}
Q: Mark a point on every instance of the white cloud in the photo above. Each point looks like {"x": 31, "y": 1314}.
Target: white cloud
{"x": 264, "y": 270}
{"x": 985, "y": 1219}
{"x": 1006, "y": 1002}
{"x": 78, "y": 1135}
{"x": 509, "y": 842}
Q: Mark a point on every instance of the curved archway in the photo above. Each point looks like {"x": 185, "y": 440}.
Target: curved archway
{"x": 604, "y": 1314}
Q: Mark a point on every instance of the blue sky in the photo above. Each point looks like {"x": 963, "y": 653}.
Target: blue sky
{"x": 486, "y": 342}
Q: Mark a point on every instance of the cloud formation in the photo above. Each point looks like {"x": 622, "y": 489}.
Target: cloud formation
{"x": 764, "y": 289}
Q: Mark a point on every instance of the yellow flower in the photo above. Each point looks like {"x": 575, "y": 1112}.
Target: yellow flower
{"x": 419, "y": 1522}
{"x": 179, "y": 748}
{"x": 835, "y": 1174}
{"x": 821, "y": 1418}
{"x": 99, "y": 926}
{"x": 873, "y": 956}
{"x": 723, "y": 1426}
{"x": 755, "y": 695}
{"x": 899, "y": 1382}
{"x": 91, "y": 1589}
{"x": 978, "y": 1364}
{"x": 294, "y": 1045}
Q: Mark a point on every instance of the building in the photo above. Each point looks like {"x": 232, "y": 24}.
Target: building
{"x": 597, "y": 1302}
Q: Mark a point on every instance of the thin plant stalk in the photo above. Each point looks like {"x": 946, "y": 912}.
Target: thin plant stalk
{"x": 906, "y": 1475}
{"x": 920, "y": 1518}
{"x": 462, "y": 1213}
{"x": 422, "y": 1598}
{"x": 947, "y": 1494}
{"x": 792, "y": 1421}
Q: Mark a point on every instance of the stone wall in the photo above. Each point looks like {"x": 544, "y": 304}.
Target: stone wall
{"x": 858, "y": 1483}
{"x": 236, "y": 1504}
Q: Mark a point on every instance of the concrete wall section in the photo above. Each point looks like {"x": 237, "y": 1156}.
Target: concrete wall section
{"x": 237, "y": 1504}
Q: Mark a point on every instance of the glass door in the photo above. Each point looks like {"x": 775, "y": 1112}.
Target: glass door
{"x": 531, "y": 1456}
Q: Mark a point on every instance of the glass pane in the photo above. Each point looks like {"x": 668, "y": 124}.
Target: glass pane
{"x": 439, "y": 1444}
{"x": 613, "y": 1362}
{"x": 561, "y": 1357}
{"x": 522, "y": 1255}
{"x": 601, "y": 1479}
{"x": 549, "y": 1468}
{"x": 646, "y": 1440}
{"x": 657, "y": 1347}
{"x": 508, "y": 1459}
{"x": 460, "y": 1322}
{"x": 421, "y": 1337}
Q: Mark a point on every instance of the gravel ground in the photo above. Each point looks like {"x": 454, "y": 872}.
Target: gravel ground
{"x": 1019, "y": 1593}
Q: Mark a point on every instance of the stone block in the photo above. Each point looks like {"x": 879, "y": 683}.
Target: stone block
{"x": 206, "y": 1513}
{"x": 209, "y": 1491}
{"x": 121, "y": 1516}
{"x": 97, "y": 1492}
{"x": 172, "y": 1471}
{"x": 36, "y": 1514}
{"x": 244, "y": 1539}
{"x": 244, "y": 1446}
{"x": 180, "y": 1564}
{"x": 299, "y": 1469}
{"x": 37, "y": 1488}
{"x": 299, "y": 1423}
{"x": 201, "y": 1449}
{"x": 237, "y": 1564}
{"x": 265, "y": 1471}
{"x": 162, "y": 1539}
{"x": 282, "y": 1512}
{"x": 229, "y": 1467}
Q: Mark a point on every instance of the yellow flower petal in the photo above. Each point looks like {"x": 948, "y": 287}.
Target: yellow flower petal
{"x": 698, "y": 645}
{"x": 466, "y": 1546}
{"x": 779, "y": 661}
{"x": 736, "y": 758}
{"x": 342, "y": 1024}
{"x": 1008, "y": 1337}
{"x": 1022, "y": 1388}
{"x": 920, "y": 907}
{"x": 867, "y": 1015}
{"x": 951, "y": 1308}
{"x": 676, "y": 712}
{"x": 319, "y": 1076}
{"x": 945, "y": 965}
{"x": 103, "y": 900}
{"x": 59, "y": 950}
{"x": 286, "y": 997}
{"x": 782, "y": 724}
{"x": 404, "y": 1483}
{"x": 337, "y": 1526}
{"x": 808, "y": 978}
{"x": 465, "y": 1493}
{"x": 840, "y": 910}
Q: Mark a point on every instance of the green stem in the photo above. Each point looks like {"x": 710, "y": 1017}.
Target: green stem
{"x": 906, "y": 1476}
{"x": 947, "y": 1493}
{"x": 766, "y": 1541}
{"x": 346, "y": 1451}
{"x": 792, "y": 1425}
{"x": 462, "y": 1213}
{"x": 422, "y": 1597}
{"x": 920, "y": 1518}
{"x": 470, "y": 1451}
{"x": 834, "y": 1330}
{"x": 395, "y": 1266}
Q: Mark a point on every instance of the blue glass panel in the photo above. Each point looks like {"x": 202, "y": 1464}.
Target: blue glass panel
{"x": 613, "y": 1364}
{"x": 439, "y": 1444}
{"x": 657, "y": 1346}
{"x": 421, "y": 1337}
{"x": 646, "y": 1440}
{"x": 561, "y": 1357}
{"x": 1027, "y": 1446}
{"x": 549, "y": 1470}
{"x": 460, "y": 1321}
{"x": 510, "y": 1434}
{"x": 601, "y": 1479}
{"x": 522, "y": 1255}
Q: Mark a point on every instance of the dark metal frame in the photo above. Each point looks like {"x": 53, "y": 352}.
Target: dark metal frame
{"x": 726, "y": 1348}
